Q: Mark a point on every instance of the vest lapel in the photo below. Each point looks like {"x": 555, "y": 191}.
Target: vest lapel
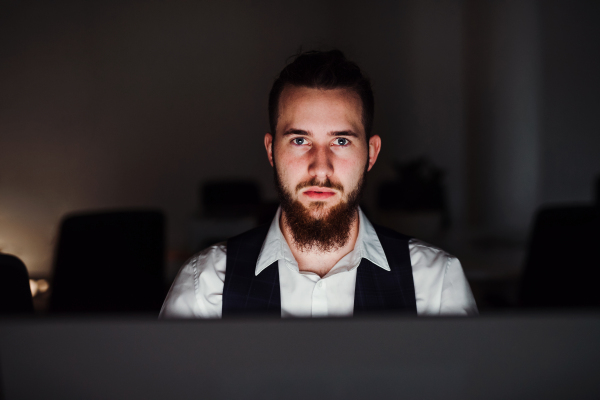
{"x": 378, "y": 290}
{"x": 243, "y": 292}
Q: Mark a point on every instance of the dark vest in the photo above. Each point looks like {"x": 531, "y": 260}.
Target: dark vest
{"x": 377, "y": 290}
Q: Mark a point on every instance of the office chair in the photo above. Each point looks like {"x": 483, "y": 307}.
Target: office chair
{"x": 563, "y": 262}
{"x": 15, "y": 293}
{"x": 110, "y": 262}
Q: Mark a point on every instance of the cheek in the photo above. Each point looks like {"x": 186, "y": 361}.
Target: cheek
{"x": 290, "y": 166}
{"x": 351, "y": 168}
{"x": 290, "y": 158}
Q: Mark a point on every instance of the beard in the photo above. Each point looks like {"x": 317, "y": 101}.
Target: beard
{"x": 316, "y": 228}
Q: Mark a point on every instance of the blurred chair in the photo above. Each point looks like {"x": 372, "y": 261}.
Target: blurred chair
{"x": 597, "y": 190}
{"x": 563, "y": 263}
{"x": 15, "y": 293}
{"x": 110, "y": 262}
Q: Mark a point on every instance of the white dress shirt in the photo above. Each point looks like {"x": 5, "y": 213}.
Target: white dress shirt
{"x": 440, "y": 284}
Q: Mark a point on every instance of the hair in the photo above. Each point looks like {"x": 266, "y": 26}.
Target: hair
{"x": 323, "y": 70}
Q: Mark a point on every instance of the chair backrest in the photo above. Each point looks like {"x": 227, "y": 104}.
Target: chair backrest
{"x": 15, "y": 293}
{"x": 110, "y": 262}
{"x": 563, "y": 265}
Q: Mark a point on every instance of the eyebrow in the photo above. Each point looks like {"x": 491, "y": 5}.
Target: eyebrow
{"x": 305, "y": 133}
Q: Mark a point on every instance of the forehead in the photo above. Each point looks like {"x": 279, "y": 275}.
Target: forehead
{"x": 319, "y": 110}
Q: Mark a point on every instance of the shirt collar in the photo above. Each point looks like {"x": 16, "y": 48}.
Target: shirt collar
{"x": 275, "y": 247}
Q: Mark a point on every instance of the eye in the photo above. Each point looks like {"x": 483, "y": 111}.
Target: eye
{"x": 299, "y": 141}
{"x": 341, "y": 142}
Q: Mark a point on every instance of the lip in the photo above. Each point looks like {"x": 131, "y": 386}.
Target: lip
{"x": 318, "y": 193}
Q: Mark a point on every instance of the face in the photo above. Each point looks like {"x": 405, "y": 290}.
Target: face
{"x": 320, "y": 147}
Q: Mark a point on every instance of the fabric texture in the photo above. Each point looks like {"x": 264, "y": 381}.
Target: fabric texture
{"x": 243, "y": 291}
{"x": 378, "y": 290}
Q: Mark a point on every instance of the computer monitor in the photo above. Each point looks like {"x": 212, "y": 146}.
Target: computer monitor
{"x": 506, "y": 357}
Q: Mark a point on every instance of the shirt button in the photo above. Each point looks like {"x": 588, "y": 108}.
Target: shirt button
{"x": 321, "y": 284}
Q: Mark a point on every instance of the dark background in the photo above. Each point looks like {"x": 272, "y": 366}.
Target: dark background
{"x": 125, "y": 104}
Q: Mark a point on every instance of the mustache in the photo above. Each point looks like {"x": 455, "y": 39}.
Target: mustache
{"x": 325, "y": 184}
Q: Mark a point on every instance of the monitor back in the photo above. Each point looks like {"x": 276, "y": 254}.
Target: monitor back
{"x": 527, "y": 356}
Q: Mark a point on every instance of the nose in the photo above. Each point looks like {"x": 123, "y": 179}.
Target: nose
{"x": 321, "y": 166}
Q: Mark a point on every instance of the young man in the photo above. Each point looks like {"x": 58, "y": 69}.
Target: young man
{"x": 320, "y": 257}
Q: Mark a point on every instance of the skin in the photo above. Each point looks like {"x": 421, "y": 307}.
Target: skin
{"x": 320, "y": 134}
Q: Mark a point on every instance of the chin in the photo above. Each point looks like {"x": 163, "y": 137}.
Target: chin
{"x": 320, "y": 209}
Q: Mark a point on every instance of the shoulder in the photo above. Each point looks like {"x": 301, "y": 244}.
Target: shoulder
{"x": 426, "y": 255}
{"x": 196, "y": 291}
{"x": 440, "y": 284}
{"x": 429, "y": 264}
{"x": 216, "y": 251}
{"x": 208, "y": 261}
{"x": 421, "y": 253}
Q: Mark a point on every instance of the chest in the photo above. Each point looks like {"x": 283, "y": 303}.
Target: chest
{"x": 305, "y": 294}
{"x": 371, "y": 289}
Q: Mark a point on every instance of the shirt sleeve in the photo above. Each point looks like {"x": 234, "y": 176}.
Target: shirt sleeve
{"x": 441, "y": 287}
{"x": 457, "y": 298}
{"x": 197, "y": 291}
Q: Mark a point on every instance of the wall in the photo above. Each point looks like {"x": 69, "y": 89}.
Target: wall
{"x": 503, "y": 75}
{"x": 570, "y": 121}
{"x": 135, "y": 104}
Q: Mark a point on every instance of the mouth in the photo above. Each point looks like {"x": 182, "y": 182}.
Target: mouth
{"x": 318, "y": 193}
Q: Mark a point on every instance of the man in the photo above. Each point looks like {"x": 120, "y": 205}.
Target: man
{"x": 320, "y": 256}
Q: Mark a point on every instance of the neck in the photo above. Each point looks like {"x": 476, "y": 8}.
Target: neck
{"x": 312, "y": 260}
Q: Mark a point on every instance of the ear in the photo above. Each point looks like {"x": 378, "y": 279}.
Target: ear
{"x": 374, "y": 148}
{"x": 269, "y": 147}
